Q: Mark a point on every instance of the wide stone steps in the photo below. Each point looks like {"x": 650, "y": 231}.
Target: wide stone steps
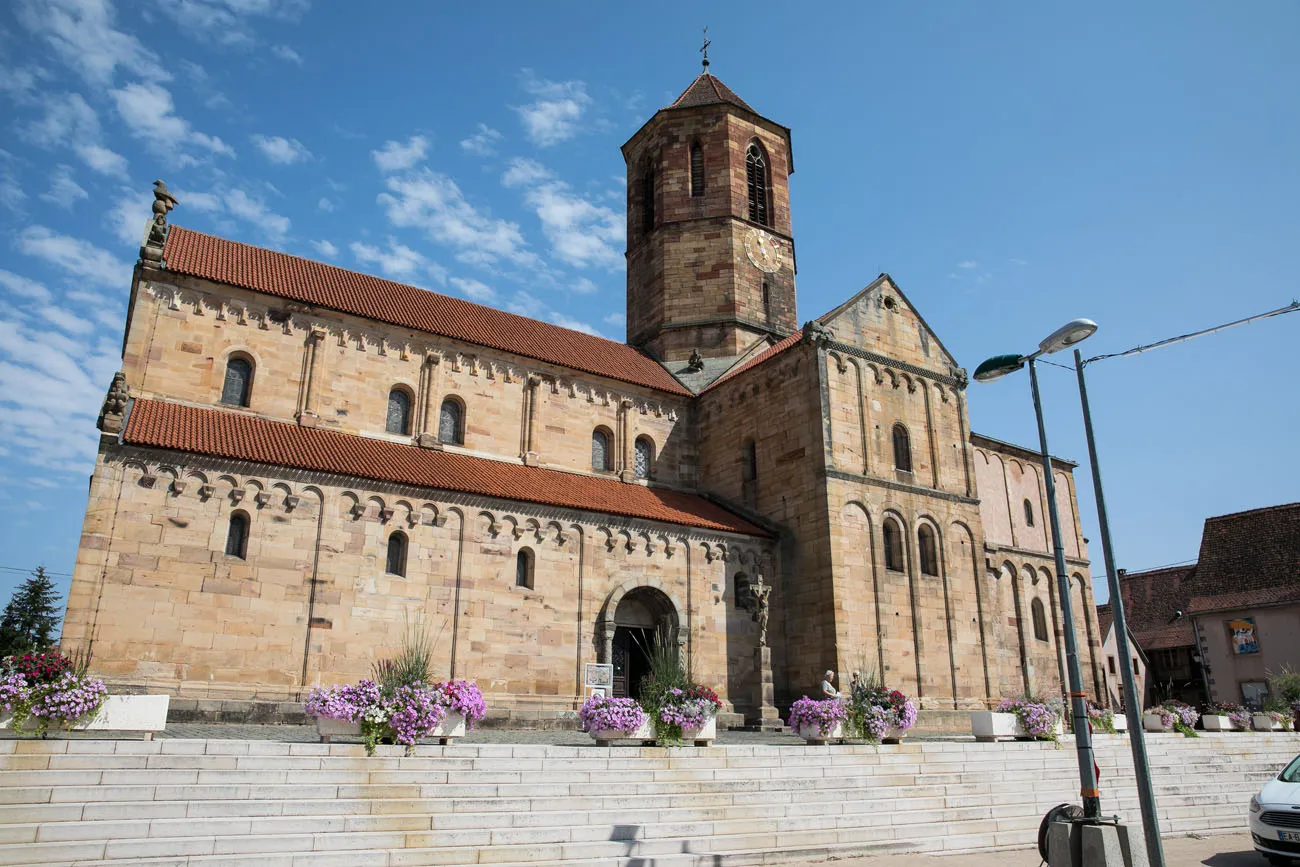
{"x": 231, "y": 803}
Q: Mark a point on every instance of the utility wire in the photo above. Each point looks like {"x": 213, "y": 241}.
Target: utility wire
{"x": 1290, "y": 308}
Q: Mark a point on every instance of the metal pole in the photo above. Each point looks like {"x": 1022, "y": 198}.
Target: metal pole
{"x": 1132, "y": 704}
{"x": 1078, "y": 698}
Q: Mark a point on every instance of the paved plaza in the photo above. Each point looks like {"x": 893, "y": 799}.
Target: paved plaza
{"x": 1216, "y": 850}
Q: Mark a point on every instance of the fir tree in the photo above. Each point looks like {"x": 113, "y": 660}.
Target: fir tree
{"x": 30, "y": 617}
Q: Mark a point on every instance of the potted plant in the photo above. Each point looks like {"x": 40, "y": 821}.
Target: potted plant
{"x": 1171, "y": 715}
{"x": 1273, "y": 718}
{"x": 1225, "y": 717}
{"x": 818, "y": 720}
{"x": 680, "y": 709}
{"x": 1105, "y": 720}
{"x": 1020, "y": 718}
{"x": 877, "y": 713}
{"x": 608, "y": 719}
{"x": 40, "y": 692}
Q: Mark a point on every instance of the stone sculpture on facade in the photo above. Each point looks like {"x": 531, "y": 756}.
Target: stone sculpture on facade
{"x": 110, "y": 414}
{"x": 761, "y": 592}
{"x": 163, "y": 201}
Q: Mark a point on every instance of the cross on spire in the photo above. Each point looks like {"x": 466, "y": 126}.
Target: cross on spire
{"x": 704, "y": 49}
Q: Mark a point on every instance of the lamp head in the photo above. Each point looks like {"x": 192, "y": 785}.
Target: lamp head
{"x": 997, "y": 367}
{"x": 1075, "y": 331}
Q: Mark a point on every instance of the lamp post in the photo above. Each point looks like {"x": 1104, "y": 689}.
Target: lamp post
{"x": 996, "y": 368}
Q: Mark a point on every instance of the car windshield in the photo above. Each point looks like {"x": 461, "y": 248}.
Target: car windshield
{"x": 1291, "y": 773}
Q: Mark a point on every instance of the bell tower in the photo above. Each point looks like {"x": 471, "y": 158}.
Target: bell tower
{"x": 710, "y": 254}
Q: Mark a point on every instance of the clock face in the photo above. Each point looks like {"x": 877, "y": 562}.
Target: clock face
{"x": 763, "y": 250}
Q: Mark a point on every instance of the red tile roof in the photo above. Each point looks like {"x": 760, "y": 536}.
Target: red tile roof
{"x": 1249, "y": 558}
{"x": 210, "y": 258}
{"x": 241, "y": 437}
{"x": 1152, "y": 600}
{"x": 771, "y": 352}
{"x": 707, "y": 90}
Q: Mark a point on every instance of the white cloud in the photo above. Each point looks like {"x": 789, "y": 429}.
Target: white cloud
{"x": 228, "y": 22}
{"x": 207, "y": 202}
{"x": 474, "y": 290}
{"x": 70, "y": 122}
{"x": 573, "y": 324}
{"x": 82, "y": 34}
{"x": 968, "y": 264}
{"x": 326, "y": 205}
{"x": 79, "y": 258}
{"x": 148, "y": 111}
{"x": 326, "y": 249}
{"x": 554, "y": 116}
{"x": 246, "y": 207}
{"x": 583, "y": 286}
{"x": 23, "y": 286}
{"x": 286, "y": 53}
{"x": 63, "y": 191}
{"x": 397, "y": 157}
{"x": 11, "y": 192}
{"x": 482, "y": 143}
{"x": 281, "y": 151}
{"x": 526, "y": 305}
{"x": 433, "y": 202}
{"x": 582, "y": 233}
{"x": 398, "y": 261}
{"x": 102, "y": 160}
{"x": 619, "y": 319}
{"x": 521, "y": 172}
{"x": 1017, "y": 261}
{"x": 66, "y": 320}
{"x": 128, "y": 215}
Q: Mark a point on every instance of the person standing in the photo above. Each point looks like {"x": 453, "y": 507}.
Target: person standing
{"x": 828, "y": 685}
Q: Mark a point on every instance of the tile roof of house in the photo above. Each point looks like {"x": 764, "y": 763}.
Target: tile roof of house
{"x": 771, "y": 352}
{"x": 709, "y": 90}
{"x": 291, "y": 277}
{"x": 1104, "y": 618}
{"x": 1248, "y": 558}
{"x": 237, "y": 436}
{"x": 1151, "y": 602}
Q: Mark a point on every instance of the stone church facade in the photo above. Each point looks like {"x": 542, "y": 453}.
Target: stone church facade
{"x": 296, "y": 462}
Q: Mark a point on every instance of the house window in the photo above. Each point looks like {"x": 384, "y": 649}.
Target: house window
{"x": 648, "y": 198}
{"x": 451, "y": 428}
{"x": 600, "y": 456}
{"x": 524, "y": 568}
{"x": 643, "y": 457}
{"x": 929, "y": 550}
{"x": 1029, "y": 514}
{"x": 756, "y": 181}
{"x": 399, "y": 412}
{"x": 395, "y": 563}
{"x": 237, "y": 536}
{"x": 902, "y": 449}
{"x": 749, "y": 461}
{"x": 1135, "y": 666}
{"x": 1111, "y": 661}
{"x": 239, "y": 382}
{"x": 697, "y": 170}
{"x": 1040, "y": 619}
{"x": 893, "y": 546}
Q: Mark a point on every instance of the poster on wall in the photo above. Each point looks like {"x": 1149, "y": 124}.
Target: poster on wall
{"x": 1242, "y": 631}
{"x": 598, "y": 678}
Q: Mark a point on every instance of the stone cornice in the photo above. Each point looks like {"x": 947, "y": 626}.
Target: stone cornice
{"x": 843, "y": 476}
{"x": 885, "y": 361}
{"x": 1027, "y": 552}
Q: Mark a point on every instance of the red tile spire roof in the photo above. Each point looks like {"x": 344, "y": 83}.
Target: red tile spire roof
{"x": 236, "y": 436}
{"x": 708, "y": 90}
{"x": 198, "y": 255}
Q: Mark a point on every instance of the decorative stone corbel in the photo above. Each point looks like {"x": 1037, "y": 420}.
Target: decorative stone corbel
{"x": 291, "y": 502}
{"x": 386, "y": 514}
{"x": 358, "y": 509}
{"x": 205, "y": 491}
{"x": 236, "y": 495}
{"x": 148, "y": 480}
{"x": 412, "y": 519}
{"x": 262, "y": 498}
{"x": 178, "y": 487}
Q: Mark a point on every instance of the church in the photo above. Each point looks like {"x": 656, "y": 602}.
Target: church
{"x": 298, "y": 461}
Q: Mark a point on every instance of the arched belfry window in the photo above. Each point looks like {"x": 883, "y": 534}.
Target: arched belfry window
{"x": 524, "y": 568}
{"x": 893, "y": 545}
{"x": 749, "y": 461}
{"x": 697, "y": 170}
{"x": 902, "y": 449}
{"x": 451, "y": 423}
{"x": 237, "y": 536}
{"x": 756, "y": 181}
{"x": 929, "y": 550}
{"x": 648, "y": 197}
{"x": 1029, "y": 514}
{"x": 600, "y": 450}
{"x": 1039, "y": 616}
{"x": 643, "y": 457}
{"x": 238, "y": 384}
{"x": 395, "y": 563}
{"x": 399, "y": 412}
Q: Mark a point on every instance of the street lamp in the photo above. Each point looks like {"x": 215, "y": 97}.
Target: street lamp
{"x": 996, "y": 368}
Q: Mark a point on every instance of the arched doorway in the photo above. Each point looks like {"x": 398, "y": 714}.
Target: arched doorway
{"x": 641, "y": 619}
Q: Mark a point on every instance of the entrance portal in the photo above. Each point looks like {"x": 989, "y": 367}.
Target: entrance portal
{"x": 643, "y": 618}
{"x": 631, "y": 659}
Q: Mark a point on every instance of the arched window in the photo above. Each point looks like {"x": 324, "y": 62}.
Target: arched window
{"x": 648, "y": 198}
{"x": 237, "y": 535}
{"x": 524, "y": 568}
{"x": 239, "y": 381}
{"x": 451, "y": 428}
{"x": 893, "y": 546}
{"x": 749, "y": 461}
{"x": 600, "y": 451}
{"x": 1040, "y": 619}
{"x": 740, "y": 587}
{"x": 697, "y": 170}
{"x": 399, "y": 412}
{"x": 756, "y": 178}
{"x": 395, "y": 563}
{"x": 1029, "y": 514}
{"x": 767, "y": 298}
{"x": 643, "y": 457}
{"x": 929, "y": 550}
{"x": 902, "y": 449}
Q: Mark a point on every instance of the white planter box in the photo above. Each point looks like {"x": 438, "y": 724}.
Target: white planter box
{"x": 703, "y": 736}
{"x": 1264, "y": 723}
{"x": 1217, "y": 723}
{"x": 451, "y": 727}
{"x": 813, "y": 734}
{"x": 1120, "y": 722}
{"x": 119, "y": 713}
{"x": 894, "y": 735}
{"x": 988, "y": 726}
{"x": 1153, "y": 723}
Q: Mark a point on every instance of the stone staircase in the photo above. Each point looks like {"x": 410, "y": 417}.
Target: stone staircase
{"x": 196, "y": 802}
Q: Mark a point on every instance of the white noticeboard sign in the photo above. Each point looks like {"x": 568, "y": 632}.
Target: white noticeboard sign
{"x": 598, "y": 678}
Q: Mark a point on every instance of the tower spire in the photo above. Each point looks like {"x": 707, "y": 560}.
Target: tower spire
{"x": 704, "y": 49}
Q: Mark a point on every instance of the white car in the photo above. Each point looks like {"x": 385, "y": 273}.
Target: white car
{"x": 1275, "y": 816}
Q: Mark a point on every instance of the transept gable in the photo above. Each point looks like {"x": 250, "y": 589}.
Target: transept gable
{"x": 882, "y": 320}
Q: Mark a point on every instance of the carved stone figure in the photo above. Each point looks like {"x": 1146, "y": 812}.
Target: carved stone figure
{"x": 696, "y": 362}
{"x": 110, "y": 414}
{"x": 163, "y": 201}
{"x": 761, "y": 592}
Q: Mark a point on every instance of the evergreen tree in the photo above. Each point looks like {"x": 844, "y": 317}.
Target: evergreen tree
{"x": 30, "y": 617}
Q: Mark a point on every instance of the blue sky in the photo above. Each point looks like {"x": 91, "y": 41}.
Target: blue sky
{"x": 1012, "y": 165}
